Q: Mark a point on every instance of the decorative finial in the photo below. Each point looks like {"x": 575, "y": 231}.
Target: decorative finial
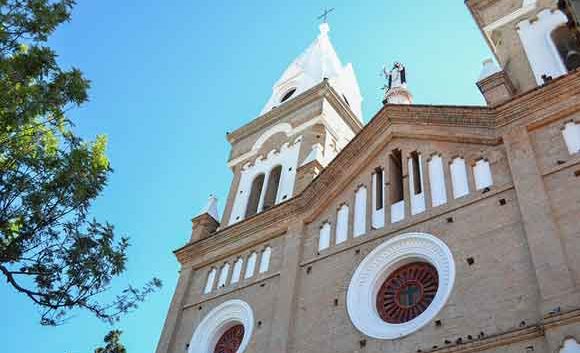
{"x": 489, "y": 68}
{"x": 396, "y": 91}
{"x": 211, "y": 207}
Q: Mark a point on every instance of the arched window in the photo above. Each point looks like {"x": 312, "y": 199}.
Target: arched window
{"x": 324, "y": 237}
{"x": 273, "y": 186}
{"x": 459, "y": 178}
{"x": 265, "y": 260}
{"x": 437, "y": 181}
{"x": 360, "y": 211}
{"x": 342, "y": 224}
{"x": 482, "y": 174}
{"x": 567, "y": 45}
{"x": 210, "y": 280}
{"x": 251, "y": 266}
{"x": 287, "y": 95}
{"x": 224, "y": 275}
{"x": 237, "y": 273}
{"x": 571, "y": 134}
{"x": 255, "y": 195}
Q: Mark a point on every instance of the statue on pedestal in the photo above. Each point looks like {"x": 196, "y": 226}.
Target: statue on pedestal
{"x": 396, "y": 91}
{"x": 396, "y": 77}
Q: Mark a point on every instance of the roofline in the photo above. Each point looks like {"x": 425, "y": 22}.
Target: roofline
{"x": 323, "y": 89}
{"x": 540, "y": 99}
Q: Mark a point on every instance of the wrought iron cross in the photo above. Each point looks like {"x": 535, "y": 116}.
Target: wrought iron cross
{"x": 325, "y": 14}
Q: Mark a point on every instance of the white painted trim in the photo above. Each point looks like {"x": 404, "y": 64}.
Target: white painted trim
{"x": 324, "y": 237}
{"x": 458, "y": 171}
{"x": 223, "y": 278}
{"x": 251, "y": 265}
{"x": 342, "y": 224}
{"x": 375, "y": 268}
{"x": 571, "y": 133}
{"x": 218, "y": 321}
{"x": 417, "y": 200}
{"x": 437, "y": 181}
{"x": 210, "y": 280}
{"x": 527, "y": 7}
{"x": 360, "y": 211}
{"x": 378, "y": 216}
{"x": 293, "y": 132}
{"x": 279, "y": 128}
{"x": 287, "y": 157}
{"x": 482, "y": 174}
{"x": 237, "y": 271}
{"x": 570, "y": 346}
{"x": 398, "y": 211}
{"x": 540, "y": 50}
{"x": 265, "y": 260}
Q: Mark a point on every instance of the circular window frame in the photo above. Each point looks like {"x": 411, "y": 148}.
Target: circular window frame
{"x": 403, "y": 277}
{"x": 218, "y": 321}
{"x": 377, "y": 266}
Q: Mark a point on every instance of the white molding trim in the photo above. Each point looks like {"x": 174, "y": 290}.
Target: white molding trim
{"x": 376, "y": 267}
{"x": 537, "y": 42}
{"x": 527, "y": 7}
{"x": 218, "y": 321}
{"x": 282, "y": 127}
{"x": 254, "y": 151}
{"x": 570, "y": 345}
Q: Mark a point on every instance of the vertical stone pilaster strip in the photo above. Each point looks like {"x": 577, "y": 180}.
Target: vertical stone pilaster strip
{"x": 469, "y": 164}
{"x": 166, "y": 341}
{"x": 233, "y": 194}
{"x": 425, "y": 158}
{"x": 542, "y": 233}
{"x": 405, "y": 155}
{"x": 446, "y": 161}
{"x": 284, "y": 312}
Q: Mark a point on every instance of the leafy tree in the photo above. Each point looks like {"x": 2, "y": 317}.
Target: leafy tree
{"x": 113, "y": 343}
{"x": 50, "y": 249}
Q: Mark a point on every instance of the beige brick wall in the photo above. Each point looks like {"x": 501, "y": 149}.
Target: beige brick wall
{"x": 517, "y": 292}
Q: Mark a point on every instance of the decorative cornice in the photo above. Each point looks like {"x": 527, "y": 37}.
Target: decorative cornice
{"x": 513, "y": 336}
{"x": 323, "y": 89}
{"x": 534, "y": 104}
{"x": 561, "y": 96}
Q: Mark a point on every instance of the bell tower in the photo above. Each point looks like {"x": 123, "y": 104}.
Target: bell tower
{"x": 533, "y": 41}
{"x": 314, "y": 110}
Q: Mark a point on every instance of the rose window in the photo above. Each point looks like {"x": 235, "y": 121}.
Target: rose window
{"x": 407, "y": 292}
{"x": 231, "y": 340}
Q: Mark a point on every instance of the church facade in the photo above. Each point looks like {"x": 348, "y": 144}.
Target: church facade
{"x": 430, "y": 229}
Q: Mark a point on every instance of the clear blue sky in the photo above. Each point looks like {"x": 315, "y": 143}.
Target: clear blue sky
{"x": 171, "y": 77}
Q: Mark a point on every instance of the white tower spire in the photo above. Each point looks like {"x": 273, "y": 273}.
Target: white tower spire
{"x": 318, "y": 62}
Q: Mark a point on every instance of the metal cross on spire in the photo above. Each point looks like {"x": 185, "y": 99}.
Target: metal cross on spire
{"x": 324, "y": 16}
